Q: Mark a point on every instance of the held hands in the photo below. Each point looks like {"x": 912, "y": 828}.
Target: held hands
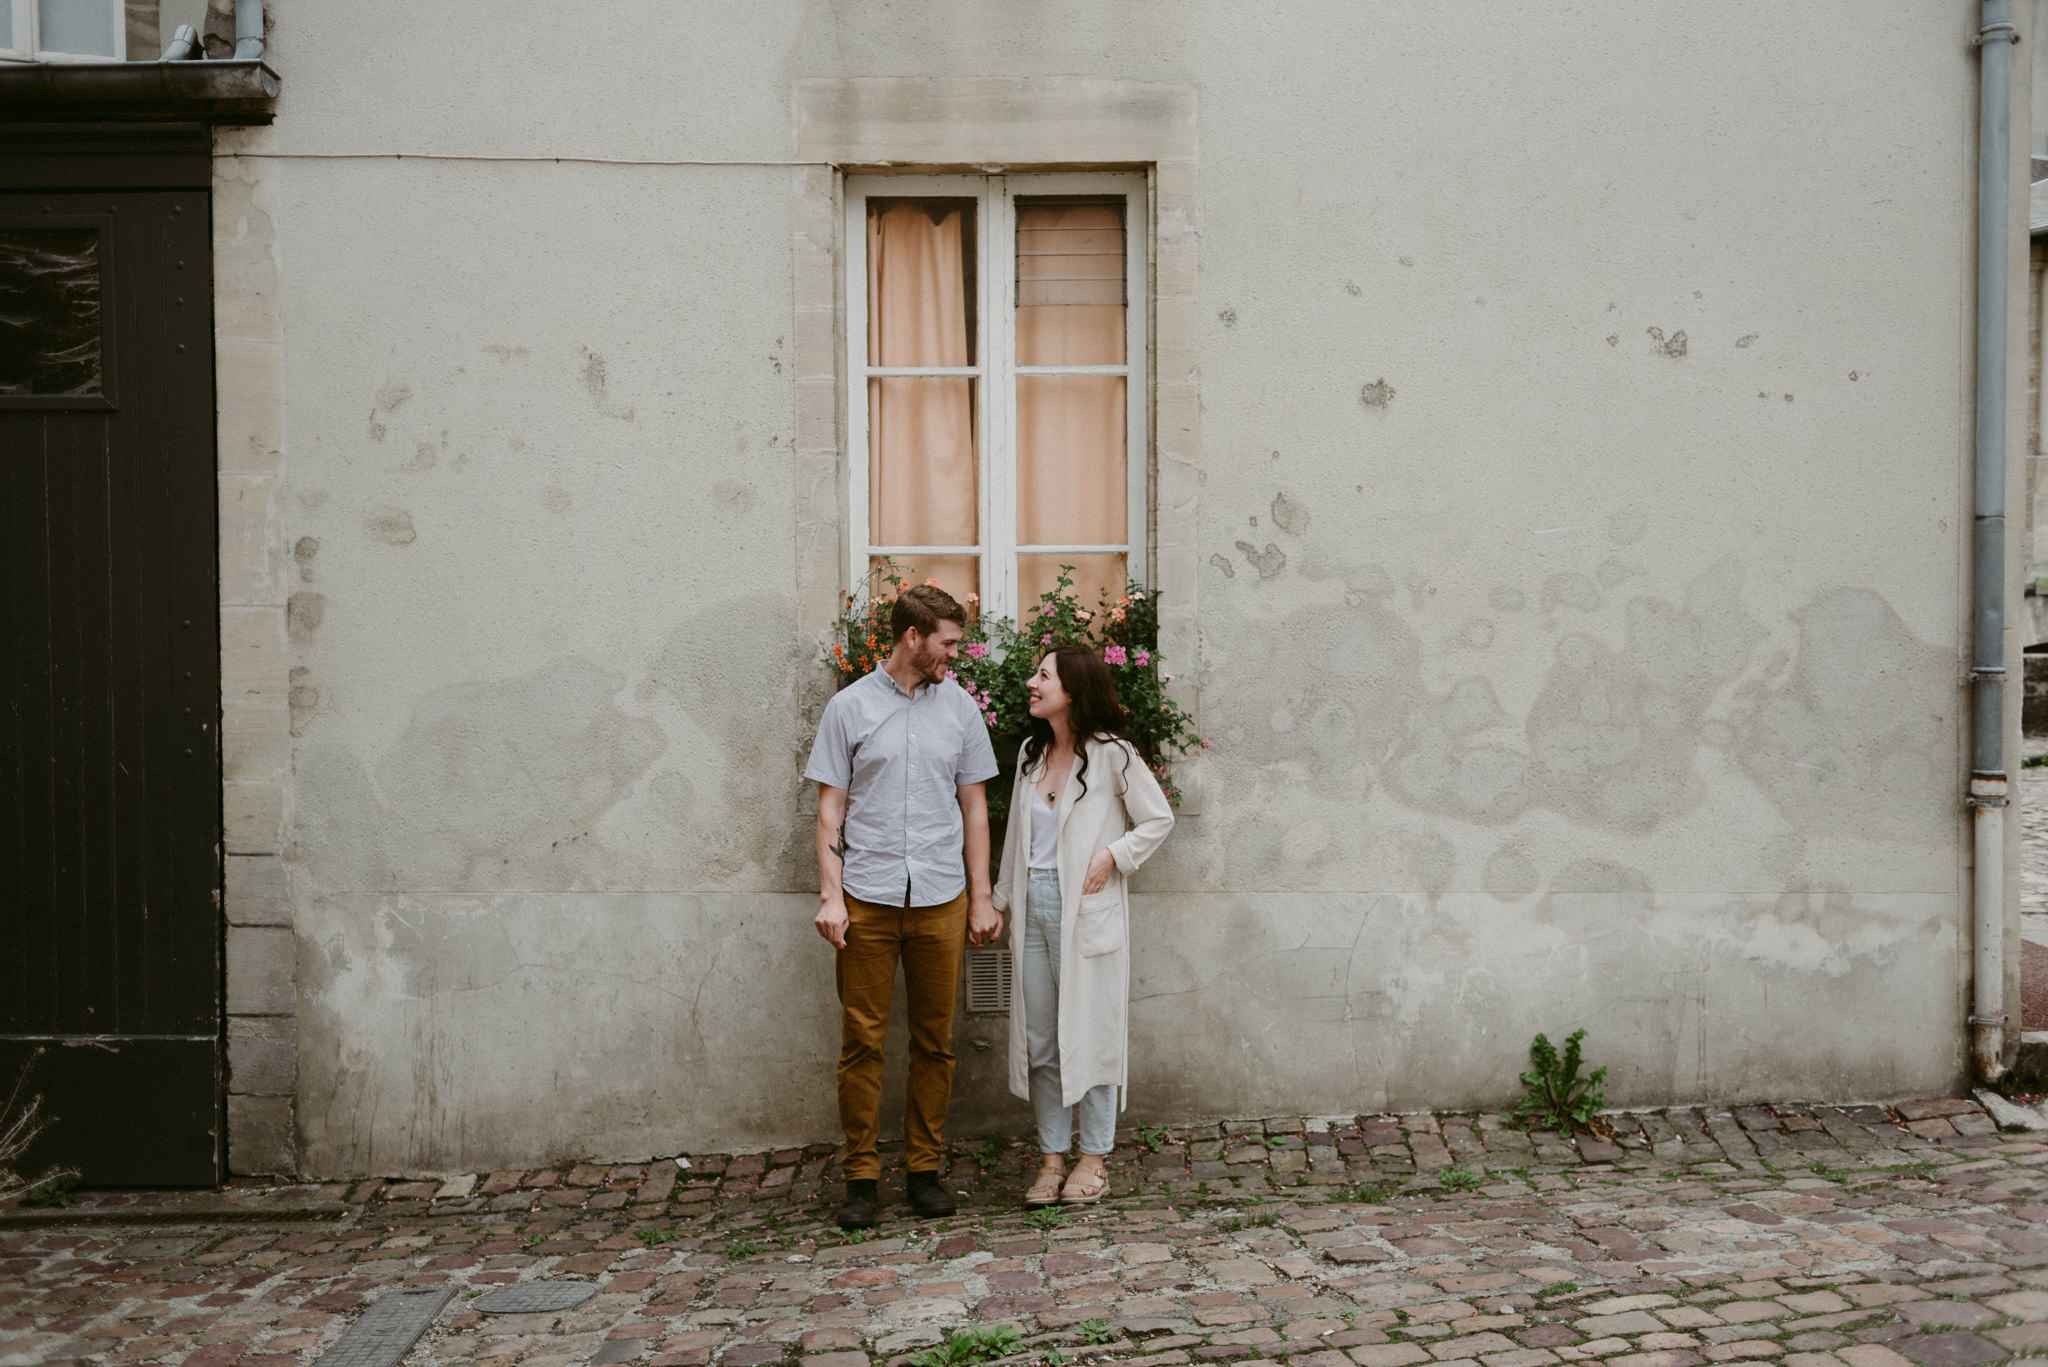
{"x": 831, "y": 922}
{"x": 984, "y": 922}
{"x": 1100, "y": 866}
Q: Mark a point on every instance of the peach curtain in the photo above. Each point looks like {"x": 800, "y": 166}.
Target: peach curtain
{"x": 922, "y": 464}
{"x": 1071, "y": 459}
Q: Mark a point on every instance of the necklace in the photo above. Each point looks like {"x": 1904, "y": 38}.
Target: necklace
{"x": 1055, "y": 779}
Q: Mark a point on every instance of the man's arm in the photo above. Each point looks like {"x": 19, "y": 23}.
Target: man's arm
{"x": 831, "y": 919}
{"x": 984, "y": 923}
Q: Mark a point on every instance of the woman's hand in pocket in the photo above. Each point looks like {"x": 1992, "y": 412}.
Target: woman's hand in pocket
{"x": 1099, "y": 869}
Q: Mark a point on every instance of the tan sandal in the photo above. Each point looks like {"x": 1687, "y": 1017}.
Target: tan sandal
{"x": 1085, "y": 1186}
{"x": 1046, "y": 1190}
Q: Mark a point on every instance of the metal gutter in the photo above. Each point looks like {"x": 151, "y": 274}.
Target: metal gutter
{"x": 207, "y": 91}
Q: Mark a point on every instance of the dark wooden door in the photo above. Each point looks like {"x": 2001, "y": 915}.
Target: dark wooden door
{"x": 110, "y": 819}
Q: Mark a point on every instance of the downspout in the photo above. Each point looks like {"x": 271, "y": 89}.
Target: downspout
{"x": 1988, "y": 783}
{"x": 249, "y": 30}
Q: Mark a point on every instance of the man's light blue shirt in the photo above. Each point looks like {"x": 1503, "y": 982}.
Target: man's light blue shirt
{"x": 902, "y": 759}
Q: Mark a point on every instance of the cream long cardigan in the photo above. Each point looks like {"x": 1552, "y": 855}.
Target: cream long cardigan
{"x": 1124, "y": 812}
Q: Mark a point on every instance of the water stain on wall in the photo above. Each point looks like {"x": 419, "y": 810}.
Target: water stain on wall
{"x": 1290, "y": 516}
{"x": 390, "y": 525}
{"x": 1268, "y": 562}
{"x": 1860, "y": 738}
{"x": 492, "y": 785}
{"x": 736, "y": 803}
{"x": 303, "y": 613}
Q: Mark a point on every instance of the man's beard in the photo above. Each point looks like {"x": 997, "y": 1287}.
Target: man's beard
{"x": 931, "y": 666}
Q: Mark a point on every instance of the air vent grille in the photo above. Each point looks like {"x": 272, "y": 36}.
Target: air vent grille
{"x": 988, "y": 980}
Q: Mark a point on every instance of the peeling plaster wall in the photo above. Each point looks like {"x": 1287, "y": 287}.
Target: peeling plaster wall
{"x": 1582, "y": 494}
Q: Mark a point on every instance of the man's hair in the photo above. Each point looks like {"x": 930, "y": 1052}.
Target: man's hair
{"x": 924, "y": 606}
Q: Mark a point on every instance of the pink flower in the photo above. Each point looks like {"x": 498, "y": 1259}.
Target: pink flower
{"x": 1046, "y": 639}
{"x": 1113, "y": 654}
{"x": 976, "y": 649}
{"x": 1083, "y": 614}
{"x": 1143, "y": 657}
{"x": 933, "y": 582}
{"x": 951, "y": 675}
{"x": 1137, "y": 595}
{"x": 991, "y": 717}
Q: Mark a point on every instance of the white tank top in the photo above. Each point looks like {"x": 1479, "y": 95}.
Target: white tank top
{"x": 1045, "y": 833}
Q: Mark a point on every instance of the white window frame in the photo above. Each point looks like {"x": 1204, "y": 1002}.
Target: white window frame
{"x": 19, "y": 28}
{"x": 997, "y": 371}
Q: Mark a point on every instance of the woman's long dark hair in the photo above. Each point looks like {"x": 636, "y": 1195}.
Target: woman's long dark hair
{"x": 1094, "y": 710}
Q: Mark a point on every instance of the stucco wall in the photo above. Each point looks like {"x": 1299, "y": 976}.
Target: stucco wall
{"x": 1582, "y": 494}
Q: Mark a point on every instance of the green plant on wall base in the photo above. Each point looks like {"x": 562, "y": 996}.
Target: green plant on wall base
{"x": 1557, "y": 1098}
{"x": 997, "y": 657}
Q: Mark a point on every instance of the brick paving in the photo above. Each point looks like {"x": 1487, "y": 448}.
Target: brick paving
{"x": 1810, "y": 1236}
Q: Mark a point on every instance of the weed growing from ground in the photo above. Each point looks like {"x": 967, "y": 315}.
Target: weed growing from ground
{"x": 967, "y": 1347}
{"x": 1558, "y": 1098}
{"x": 1367, "y": 1193}
{"x": 739, "y": 1247}
{"x": 1557, "y": 1289}
{"x": 1095, "y": 1331}
{"x": 1459, "y": 1179}
{"x": 1046, "y": 1217}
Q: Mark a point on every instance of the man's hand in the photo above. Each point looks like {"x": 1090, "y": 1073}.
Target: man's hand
{"x": 1099, "y": 868}
{"x": 984, "y": 922}
{"x": 831, "y": 921}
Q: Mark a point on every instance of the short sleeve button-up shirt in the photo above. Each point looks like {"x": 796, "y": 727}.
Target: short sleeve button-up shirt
{"x": 901, "y": 759}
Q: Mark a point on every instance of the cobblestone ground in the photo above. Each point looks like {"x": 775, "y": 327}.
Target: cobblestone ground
{"x": 1808, "y": 1235}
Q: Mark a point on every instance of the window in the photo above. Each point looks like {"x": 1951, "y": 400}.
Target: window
{"x": 63, "y": 30}
{"x": 998, "y": 397}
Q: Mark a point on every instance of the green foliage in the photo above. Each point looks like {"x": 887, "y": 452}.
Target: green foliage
{"x": 1055, "y": 1358}
{"x": 1368, "y": 1193}
{"x": 739, "y": 1247}
{"x": 989, "y": 1153}
{"x": 1149, "y": 1138}
{"x": 654, "y": 1235}
{"x": 1095, "y": 1331}
{"x": 1273, "y": 1141}
{"x": 51, "y": 1191}
{"x": 1046, "y": 1217}
{"x": 1459, "y": 1179}
{"x": 856, "y": 1236}
{"x": 1231, "y": 1226}
{"x": 966, "y": 1347}
{"x": 998, "y": 656}
{"x": 1557, "y": 1097}
{"x": 1556, "y": 1289}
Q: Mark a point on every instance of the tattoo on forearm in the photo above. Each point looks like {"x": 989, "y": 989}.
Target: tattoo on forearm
{"x": 838, "y": 845}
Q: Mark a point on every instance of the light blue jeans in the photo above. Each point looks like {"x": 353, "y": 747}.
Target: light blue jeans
{"x": 1097, "y": 1106}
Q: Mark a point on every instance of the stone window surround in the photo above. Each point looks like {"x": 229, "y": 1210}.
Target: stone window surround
{"x": 915, "y": 125}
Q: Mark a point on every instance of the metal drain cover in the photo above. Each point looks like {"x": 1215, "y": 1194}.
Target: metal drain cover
{"x": 535, "y": 1298}
{"x": 386, "y": 1331}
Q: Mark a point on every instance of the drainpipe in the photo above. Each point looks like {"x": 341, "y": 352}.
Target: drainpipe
{"x": 249, "y": 30}
{"x": 1988, "y": 783}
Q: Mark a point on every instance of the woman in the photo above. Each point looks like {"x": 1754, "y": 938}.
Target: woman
{"x": 1084, "y": 815}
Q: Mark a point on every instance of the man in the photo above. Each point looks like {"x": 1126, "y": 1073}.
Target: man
{"x": 901, "y": 761}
